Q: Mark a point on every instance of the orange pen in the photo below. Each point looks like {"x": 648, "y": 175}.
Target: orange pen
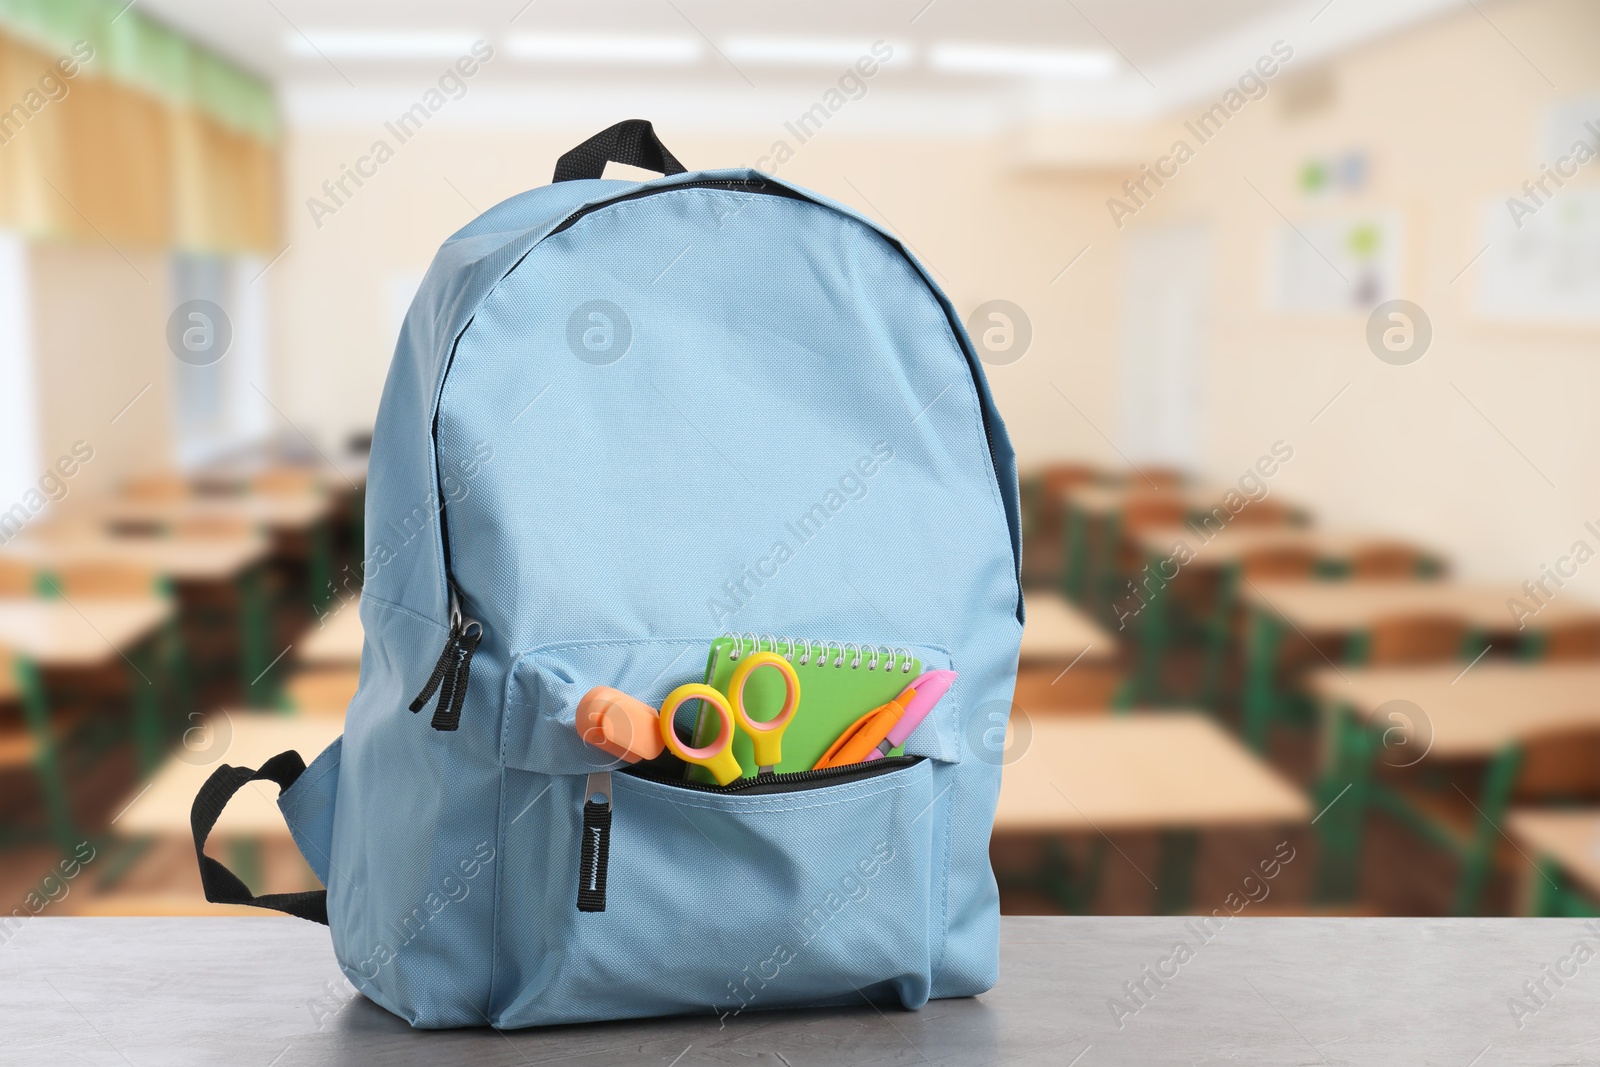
{"x": 866, "y": 733}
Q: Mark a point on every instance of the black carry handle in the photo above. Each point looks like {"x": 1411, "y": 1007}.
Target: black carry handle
{"x": 222, "y": 886}
{"x": 633, "y": 142}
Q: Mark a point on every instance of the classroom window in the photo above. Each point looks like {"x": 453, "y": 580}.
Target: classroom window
{"x": 218, "y": 400}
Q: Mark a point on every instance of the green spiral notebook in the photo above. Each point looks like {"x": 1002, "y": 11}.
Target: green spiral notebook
{"x": 839, "y": 682}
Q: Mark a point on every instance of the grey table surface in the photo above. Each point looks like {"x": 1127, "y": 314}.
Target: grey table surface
{"x": 247, "y": 992}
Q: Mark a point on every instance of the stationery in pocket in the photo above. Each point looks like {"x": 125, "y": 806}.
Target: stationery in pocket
{"x": 839, "y": 682}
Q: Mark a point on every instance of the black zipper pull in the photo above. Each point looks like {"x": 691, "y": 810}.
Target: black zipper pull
{"x": 446, "y": 660}
{"x": 447, "y": 715}
{"x": 450, "y": 673}
{"x": 594, "y": 851}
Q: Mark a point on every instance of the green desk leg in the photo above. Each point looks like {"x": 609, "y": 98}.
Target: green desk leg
{"x": 358, "y": 521}
{"x": 149, "y": 737}
{"x": 1264, "y": 640}
{"x": 175, "y": 657}
{"x": 1072, "y": 885}
{"x": 1219, "y": 636}
{"x": 1547, "y": 890}
{"x": 1076, "y": 551}
{"x": 320, "y": 571}
{"x": 121, "y": 856}
{"x": 1341, "y": 797}
{"x": 46, "y": 760}
{"x": 1155, "y": 626}
{"x": 1175, "y": 871}
{"x": 244, "y": 858}
{"x": 1479, "y": 856}
{"x": 1554, "y": 896}
{"x": 255, "y": 630}
{"x": 1104, "y": 566}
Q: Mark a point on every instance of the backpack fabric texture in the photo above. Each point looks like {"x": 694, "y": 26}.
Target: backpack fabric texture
{"x": 625, "y": 418}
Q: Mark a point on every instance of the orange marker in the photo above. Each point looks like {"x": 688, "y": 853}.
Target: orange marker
{"x": 619, "y": 724}
{"x": 865, "y": 734}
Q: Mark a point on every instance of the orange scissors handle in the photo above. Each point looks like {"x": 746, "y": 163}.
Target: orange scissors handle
{"x": 716, "y": 757}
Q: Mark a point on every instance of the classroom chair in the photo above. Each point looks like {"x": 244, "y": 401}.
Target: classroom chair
{"x": 18, "y": 579}
{"x": 213, "y": 528}
{"x": 1156, "y": 508}
{"x": 1158, "y": 477}
{"x": 1554, "y": 767}
{"x": 165, "y": 485}
{"x": 225, "y": 620}
{"x": 1224, "y": 628}
{"x": 323, "y": 691}
{"x": 1387, "y": 562}
{"x": 1143, "y": 510}
{"x": 1571, "y": 642}
{"x": 1043, "y": 496}
{"x": 1052, "y": 689}
{"x": 1057, "y": 478}
{"x": 1258, "y": 513}
{"x": 311, "y": 549}
{"x": 1278, "y": 564}
{"x": 1404, "y": 640}
{"x": 111, "y": 581}
{"x": 216, "y": 600}
{"x": 30, "y": 740}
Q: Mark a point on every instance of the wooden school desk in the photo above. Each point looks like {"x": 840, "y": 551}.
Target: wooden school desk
{"x": 344, "y": 479}
{"x": 284, "y": 515}
{"x": 1218, "y": 555}
{"x": 1466, "y": 713}
{"x": 238, "y": 561}
{"x": 1067, "y": 659}
{"x": 1169, "y": 773}
{"x": 1094, "y": 529}
{"x": 334, "y": 642}
{"x": 83, "y": 634}
{"x": 1347, "y": 610}
{"x": 161, "y": 809}
{"x": 1565, "y": 846}
{"x": 251, "y": 991}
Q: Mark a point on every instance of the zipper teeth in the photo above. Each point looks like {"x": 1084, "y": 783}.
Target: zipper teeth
{"x": 877, "y": 767}
{"x": 751, "y": 184}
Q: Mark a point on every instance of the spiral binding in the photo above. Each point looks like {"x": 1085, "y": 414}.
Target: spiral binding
{"x": 842, "y": 653}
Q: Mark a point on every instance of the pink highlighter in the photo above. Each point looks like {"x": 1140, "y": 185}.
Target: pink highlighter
{"x": 931, "y": 686}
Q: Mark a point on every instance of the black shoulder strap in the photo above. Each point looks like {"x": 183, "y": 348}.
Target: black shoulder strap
{"x": 222, "y": 886}
{"x": 633, "y": 142}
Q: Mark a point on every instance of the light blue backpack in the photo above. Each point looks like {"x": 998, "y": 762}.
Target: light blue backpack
{"x": 623, "y": 419}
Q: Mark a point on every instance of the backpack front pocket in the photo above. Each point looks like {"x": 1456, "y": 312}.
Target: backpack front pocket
{"x": 782, "y": 891}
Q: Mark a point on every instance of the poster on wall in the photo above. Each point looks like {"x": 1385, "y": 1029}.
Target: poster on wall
{"x": 1339, "y": 265}
{"x": 1542, "y": 263}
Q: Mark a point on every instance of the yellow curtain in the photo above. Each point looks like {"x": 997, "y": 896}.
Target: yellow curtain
{"x": 90, "y": 158}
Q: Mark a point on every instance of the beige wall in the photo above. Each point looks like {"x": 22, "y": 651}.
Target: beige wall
{"x": 1448, "y": 115}
{"x": 99, "y": 324}
{"x": 987, "y": 231}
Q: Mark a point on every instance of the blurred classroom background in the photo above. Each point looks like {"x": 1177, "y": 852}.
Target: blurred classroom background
{"x": 1291, "y": 310}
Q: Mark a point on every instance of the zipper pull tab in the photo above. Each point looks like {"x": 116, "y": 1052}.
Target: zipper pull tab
{"x": 447, "y": 715}
{"x": 446, "y": 659}
{"x": 594, "y": 852}
{"x": 450, "y": 673}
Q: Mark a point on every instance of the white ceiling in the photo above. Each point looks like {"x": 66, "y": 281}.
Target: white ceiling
{"x": 1133, "y": 58}
{"x": 259, "y": 33}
